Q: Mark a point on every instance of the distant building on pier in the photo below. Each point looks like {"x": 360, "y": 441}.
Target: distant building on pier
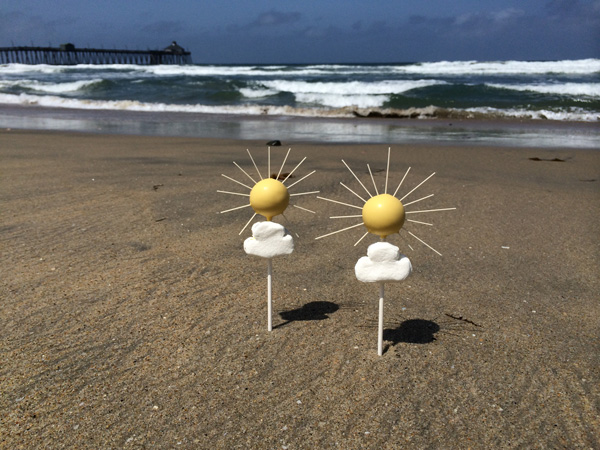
{"x": 68, "y": 54}
{"x": 174, "y": 48}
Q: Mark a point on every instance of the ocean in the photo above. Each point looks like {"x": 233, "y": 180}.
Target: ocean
{"x": 409, "y": 96}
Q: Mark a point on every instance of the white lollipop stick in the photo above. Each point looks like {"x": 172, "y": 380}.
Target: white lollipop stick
{"x": 269, "y": 296}
{"x": 382, "y": 263}
{"x": 269, "y": 239}
{"x": 380, "y": 340}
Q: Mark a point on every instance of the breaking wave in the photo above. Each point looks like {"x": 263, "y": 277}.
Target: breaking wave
{"x": 428, "y": 112}
{"x": 556, "y": 90}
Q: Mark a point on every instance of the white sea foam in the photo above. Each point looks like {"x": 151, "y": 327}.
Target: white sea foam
{"x": 573, "y": 89}
{"x": 573, "y": 114}
{"x": 130, "y": 105}
{"x": 31, "y": 68}
{"x": 349, "y": 88}
{"x": 53, "y": 88}
{"x": 337, "y": 94}
{"x": 582, "y": 66}
{"x": 257, "y": 93}
{"x": 225, "y": 71}
{"x": 342, "y": 101}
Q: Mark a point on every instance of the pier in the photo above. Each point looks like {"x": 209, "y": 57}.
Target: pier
{"x": 68, "y": 54}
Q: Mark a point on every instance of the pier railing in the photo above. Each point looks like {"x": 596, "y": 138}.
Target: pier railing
{"x": 58, "y": 56}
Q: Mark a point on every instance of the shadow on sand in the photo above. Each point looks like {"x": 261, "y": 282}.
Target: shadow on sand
{"x": 413, "y": 331}
{"x": 310, "y": 311}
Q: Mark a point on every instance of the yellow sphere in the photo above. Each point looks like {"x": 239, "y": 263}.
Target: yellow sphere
{"x": 383, "y": 215}
{"x": 269, "y": 198}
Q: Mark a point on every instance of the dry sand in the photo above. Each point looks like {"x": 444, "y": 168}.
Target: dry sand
{"x": 132, "y": 318}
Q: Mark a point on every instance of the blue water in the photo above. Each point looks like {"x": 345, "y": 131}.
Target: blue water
{"x": 560, "y": 90}
{"x": 566, "y": 92}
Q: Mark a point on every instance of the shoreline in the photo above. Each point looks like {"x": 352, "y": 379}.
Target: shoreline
{"x": 441, "y": 131}
{"x": 131, "y": 316}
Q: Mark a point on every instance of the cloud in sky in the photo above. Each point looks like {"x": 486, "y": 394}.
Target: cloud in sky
{"x": 481, "y": 23}
{"x": 333, "y": 31}
{"x": 561, "y": 30}
{"x": 16, "y": 26}
{"x": 164, "y": 27}
{"x": 275, "y": 18}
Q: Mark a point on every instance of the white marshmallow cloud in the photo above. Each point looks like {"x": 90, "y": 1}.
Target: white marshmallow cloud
{"x": 269, "y": 239}
{"x": 383, "y": 262}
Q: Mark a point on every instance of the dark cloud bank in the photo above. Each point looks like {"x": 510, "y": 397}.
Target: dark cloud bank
{"x": 565, "y": 29}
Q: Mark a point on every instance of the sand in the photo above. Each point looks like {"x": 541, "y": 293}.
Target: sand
{"x": 132, "y": 318}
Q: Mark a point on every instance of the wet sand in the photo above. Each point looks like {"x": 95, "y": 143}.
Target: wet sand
{"x": 549, "y": 134}
{"x": 132, "y": 318}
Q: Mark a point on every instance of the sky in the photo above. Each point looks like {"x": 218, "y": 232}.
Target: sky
{"x": 315, "y": 31}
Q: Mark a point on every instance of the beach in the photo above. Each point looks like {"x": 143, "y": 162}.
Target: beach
{"x": 132, "y": 317}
